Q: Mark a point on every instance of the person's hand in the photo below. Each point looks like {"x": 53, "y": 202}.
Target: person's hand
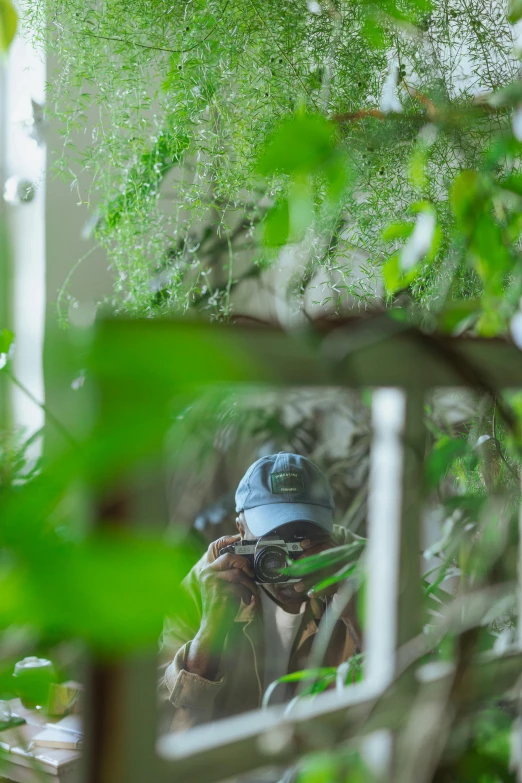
{"x": 225, "y": 581}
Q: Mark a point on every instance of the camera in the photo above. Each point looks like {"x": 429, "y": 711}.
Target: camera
{"x": 268, "y": 556}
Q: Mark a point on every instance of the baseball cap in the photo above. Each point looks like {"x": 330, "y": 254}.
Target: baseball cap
{"x": 282, "y": 488}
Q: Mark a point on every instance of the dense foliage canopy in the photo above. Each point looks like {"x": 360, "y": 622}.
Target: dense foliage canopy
{"x": 381, "y": 111}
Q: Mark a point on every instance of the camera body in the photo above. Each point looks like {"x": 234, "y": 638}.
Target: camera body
{"x": 267, "y": 556}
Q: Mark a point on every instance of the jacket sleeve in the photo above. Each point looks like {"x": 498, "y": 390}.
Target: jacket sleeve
{"x": 186, "y": 699}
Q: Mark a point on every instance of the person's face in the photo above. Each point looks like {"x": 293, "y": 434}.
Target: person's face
{"x": 313, "y": 540}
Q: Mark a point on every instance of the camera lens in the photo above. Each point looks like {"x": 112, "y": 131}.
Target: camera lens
{"x": 269, "y": 562}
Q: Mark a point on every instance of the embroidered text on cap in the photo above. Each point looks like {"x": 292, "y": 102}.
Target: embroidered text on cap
{"x": 286, "y": 481}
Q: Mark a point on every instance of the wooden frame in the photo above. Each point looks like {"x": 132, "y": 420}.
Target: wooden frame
{"x": 375, "y": 352}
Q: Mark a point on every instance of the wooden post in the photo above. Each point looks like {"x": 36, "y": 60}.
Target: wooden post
{"x": 410, "y": 588}
{"x": 121, "y": 715}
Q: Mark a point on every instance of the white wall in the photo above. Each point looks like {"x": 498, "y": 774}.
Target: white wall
{"x": 25, "y": 159}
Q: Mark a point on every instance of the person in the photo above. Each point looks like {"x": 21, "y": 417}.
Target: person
{"x": 244, "y": 634}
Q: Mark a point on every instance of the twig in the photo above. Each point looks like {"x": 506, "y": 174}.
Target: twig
{"x": 57, "y": 423}
{"x": 283, "y": 53}
{"x": 431, "y": 109}
{"x": 431, "y": 113}
{"x": 360, "y": 115}
{"x": 158, "y": 48}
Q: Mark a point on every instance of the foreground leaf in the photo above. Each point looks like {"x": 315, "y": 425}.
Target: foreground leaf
{"x": 8, "y": 24}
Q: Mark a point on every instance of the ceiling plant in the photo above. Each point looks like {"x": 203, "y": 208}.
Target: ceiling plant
{"x": 219, "y": 138}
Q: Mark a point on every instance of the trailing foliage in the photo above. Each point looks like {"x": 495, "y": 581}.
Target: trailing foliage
{"x": 182, "y": 100}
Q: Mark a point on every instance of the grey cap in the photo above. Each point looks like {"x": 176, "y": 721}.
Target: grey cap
{"x": 283, "y": 488}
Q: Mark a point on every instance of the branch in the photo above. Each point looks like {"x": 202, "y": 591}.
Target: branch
{"x": 158, "y": 48}
{"x": 431, "y": 110}
{"x": 362, "y": 114}
{"x": 57, "y": 423}
{"x": 432, "y": 113}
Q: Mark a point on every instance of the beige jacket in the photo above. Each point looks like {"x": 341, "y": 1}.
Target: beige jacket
{"x": 189, "y": 699}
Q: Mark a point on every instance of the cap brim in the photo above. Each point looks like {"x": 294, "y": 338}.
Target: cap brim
{"x": 261, "y": 520}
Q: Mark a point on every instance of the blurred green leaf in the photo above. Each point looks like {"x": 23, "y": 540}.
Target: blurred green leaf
{"x": 308, "y": 674}
{"x": 398, "y": 231}
{"x": 441, "y": 576}
{"x": 6, "y": 345}
{"x": 515, "y": 11}
{"x": 455, "y": 313}
{"x": 306, "y": 148}
{"x": 6, "y": 340}
{"x": 330, "y": 557}
{"x": 336, "y": 173}
{"x": 301, "y": 145}
{"x": 8, "y": 24}
{"x": 444, "y": 453}
{"x": 512, "y": 183}
{"x": 465, "y": 192}
{"x": 392, "y": 274}
{"x": 343, "y": 573}
{"x": 276, "y": 225}
{"x": 470, "y": 505}
{"x": 120, "y": 587}
{"x": 320, "y": 768}
{"x": 510, "y": 94}
{"x": 495, "y": 259}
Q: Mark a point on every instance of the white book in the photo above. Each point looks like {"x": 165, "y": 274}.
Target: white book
{"x": 66, "y": 734}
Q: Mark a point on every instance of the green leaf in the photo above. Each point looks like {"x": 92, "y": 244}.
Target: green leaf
{"x": 515, "y": 11}
{"x": 417, "y": 168}
{"x": 119, "y": 590}
{"x": 337, "y": 174}
{"x": 455, "y": 313}
{"x": 445, "y": 452}
{"x": 6, "y": 340}
{"x": 492, "y": 322}
{"x": 489, "y": 243}
{"x": 470, "y": 505}
{"x": 308, "y": 674}
{"x": 398, "y": 231}
{"x": 464, "y": 195}
{"x": 441, "y": 576}
{"x": 507, "y": 96}
{"x": 513, "y": 183}
{"x": 343, "y": 573}
{"x": 6, "y": 345}
{"x": 8, "y": 24}
{"x": 374, "y": 33}
{"x": 330, "y": 557}
{"x": 301, "y": 145}
{"x": 276, "y": 226}
{"x": 505, "y": 146}
{"x": 392, "y": 274}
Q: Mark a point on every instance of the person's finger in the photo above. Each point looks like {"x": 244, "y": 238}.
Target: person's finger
{"x": 299, "y": 587}
{"x": 325, "y": 592}
{"x": 314, "y": 547}
{"x": 246, "y": 596}
{"x": 229, "y": 560}
{"x": 309, "y": 581}
{"x": 215, "y": 546}
{"x": 236, "y": 576}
